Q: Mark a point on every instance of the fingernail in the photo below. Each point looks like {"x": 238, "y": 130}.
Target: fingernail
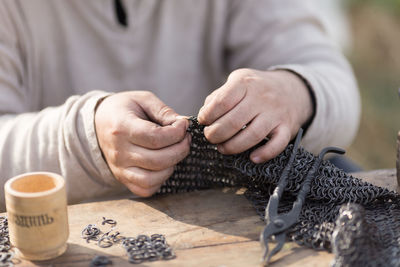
{"x": 256, "y": 159}
{"x": 221, "y": 149}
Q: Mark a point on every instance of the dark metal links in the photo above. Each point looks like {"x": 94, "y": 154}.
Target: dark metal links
{"x": 6, "y": 253}
{"x": 90, "y": 232}
{"x": 147, "y": 248}
{"x": 205, "y": 167}
{"x": 139, "y": 249}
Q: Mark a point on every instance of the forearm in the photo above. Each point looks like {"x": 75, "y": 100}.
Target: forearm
{"x": 291, "y": 37}
{"x": 58, "y": 139}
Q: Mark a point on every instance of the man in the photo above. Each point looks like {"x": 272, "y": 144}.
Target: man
{"x": 248, "y": 69}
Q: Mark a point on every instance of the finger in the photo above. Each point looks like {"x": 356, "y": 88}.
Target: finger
{"x": 210, "y": 97}
{"x": 152, "y": 136}
{"x": 145, "y": 183}
{"x": 280, "y": 138}
{"x": 158, "y": 159}
{"x": 221, "y": 101}
{"x": 230, "y": 124}
{"x": 156, "y": 110}
{"x": 254, "y": 133}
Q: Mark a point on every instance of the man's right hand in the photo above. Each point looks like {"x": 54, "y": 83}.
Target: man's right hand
{"x": 141, "y": 139}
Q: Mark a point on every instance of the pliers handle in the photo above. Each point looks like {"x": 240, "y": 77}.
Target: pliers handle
{"x": 277, "y": 224}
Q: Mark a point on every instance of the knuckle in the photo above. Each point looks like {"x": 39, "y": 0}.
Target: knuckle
{"x": 245, "y": 77}
{"x": 242, "y": 72}
{"x": 158, "y": 164}
{"x": 165, "y": 111}
{"x": 153, "y": 138}
{"x": 146, "y": 94}
{"x": 115, "y": 129}
{"x": 256, "y": 134}
{"x": 222, "y": 102}
{"x": 238, "y": 72}
{"x": 209, "y": 98}
{"x": 234, "y": 123}
{"x": 225, "y": 104}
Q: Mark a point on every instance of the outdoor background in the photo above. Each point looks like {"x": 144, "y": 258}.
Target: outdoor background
{"x": 374, "y": 30}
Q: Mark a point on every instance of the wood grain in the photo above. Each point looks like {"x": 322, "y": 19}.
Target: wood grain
{"x": 205, "y": 228}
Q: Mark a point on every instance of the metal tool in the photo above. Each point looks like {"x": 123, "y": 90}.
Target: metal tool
{"x": 277, "y": 224}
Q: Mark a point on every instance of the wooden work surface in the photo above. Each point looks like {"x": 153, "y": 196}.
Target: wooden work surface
{"x": 206, "y": 228}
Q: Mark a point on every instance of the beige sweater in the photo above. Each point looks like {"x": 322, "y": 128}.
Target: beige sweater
{"x": 58, "y": 58}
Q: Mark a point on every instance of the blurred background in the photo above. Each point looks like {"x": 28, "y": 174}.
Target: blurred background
{"x": 369, "y": 33}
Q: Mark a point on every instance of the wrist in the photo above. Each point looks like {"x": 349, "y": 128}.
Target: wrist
{"x": 304, "y": 95}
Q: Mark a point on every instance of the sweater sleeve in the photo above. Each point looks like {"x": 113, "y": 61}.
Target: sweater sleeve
{"x": 59, "y": 139}
{"x": 286, "y": 34}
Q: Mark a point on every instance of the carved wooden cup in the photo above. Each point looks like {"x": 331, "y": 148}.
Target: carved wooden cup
{"x": 37, "y": 215}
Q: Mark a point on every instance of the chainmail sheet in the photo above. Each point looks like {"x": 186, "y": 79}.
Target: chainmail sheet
{"x": 363, "y": 233}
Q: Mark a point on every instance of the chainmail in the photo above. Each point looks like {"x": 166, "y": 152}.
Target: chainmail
{"x": 6, "y": 254}
{"x": 357, "y": 221}
{"x": 363, "y": 233}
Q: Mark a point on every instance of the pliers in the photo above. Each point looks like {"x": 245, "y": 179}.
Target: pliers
{"x": 277, "y": 224}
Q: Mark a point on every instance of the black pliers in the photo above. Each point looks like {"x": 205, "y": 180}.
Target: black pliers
{"x": 277, "y": 224}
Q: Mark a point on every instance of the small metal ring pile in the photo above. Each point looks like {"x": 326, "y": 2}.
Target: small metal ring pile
{"x": 145, "y": 248}
{"x": 91, "y": 232}
{"x": 139, "y": 249}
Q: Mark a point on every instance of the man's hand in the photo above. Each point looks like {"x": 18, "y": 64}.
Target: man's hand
{"x": 253, "y": 105}
{"x": 141, "y": 139}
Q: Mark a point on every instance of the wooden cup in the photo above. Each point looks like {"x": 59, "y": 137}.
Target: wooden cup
{"x": 37, "y": 215}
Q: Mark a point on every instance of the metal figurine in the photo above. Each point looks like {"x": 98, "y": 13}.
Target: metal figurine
{"x": 277, "y": 224}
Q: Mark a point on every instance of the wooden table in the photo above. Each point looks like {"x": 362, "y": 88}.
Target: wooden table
{"x": 206, "y": 228}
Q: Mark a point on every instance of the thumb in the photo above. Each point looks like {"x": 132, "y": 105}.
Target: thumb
{"x": 156, "y": 110}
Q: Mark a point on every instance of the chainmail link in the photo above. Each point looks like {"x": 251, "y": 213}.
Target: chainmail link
{"x": 366, "y": 232}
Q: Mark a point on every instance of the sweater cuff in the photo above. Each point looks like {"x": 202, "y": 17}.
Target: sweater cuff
{"x": 105, "y": 175}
